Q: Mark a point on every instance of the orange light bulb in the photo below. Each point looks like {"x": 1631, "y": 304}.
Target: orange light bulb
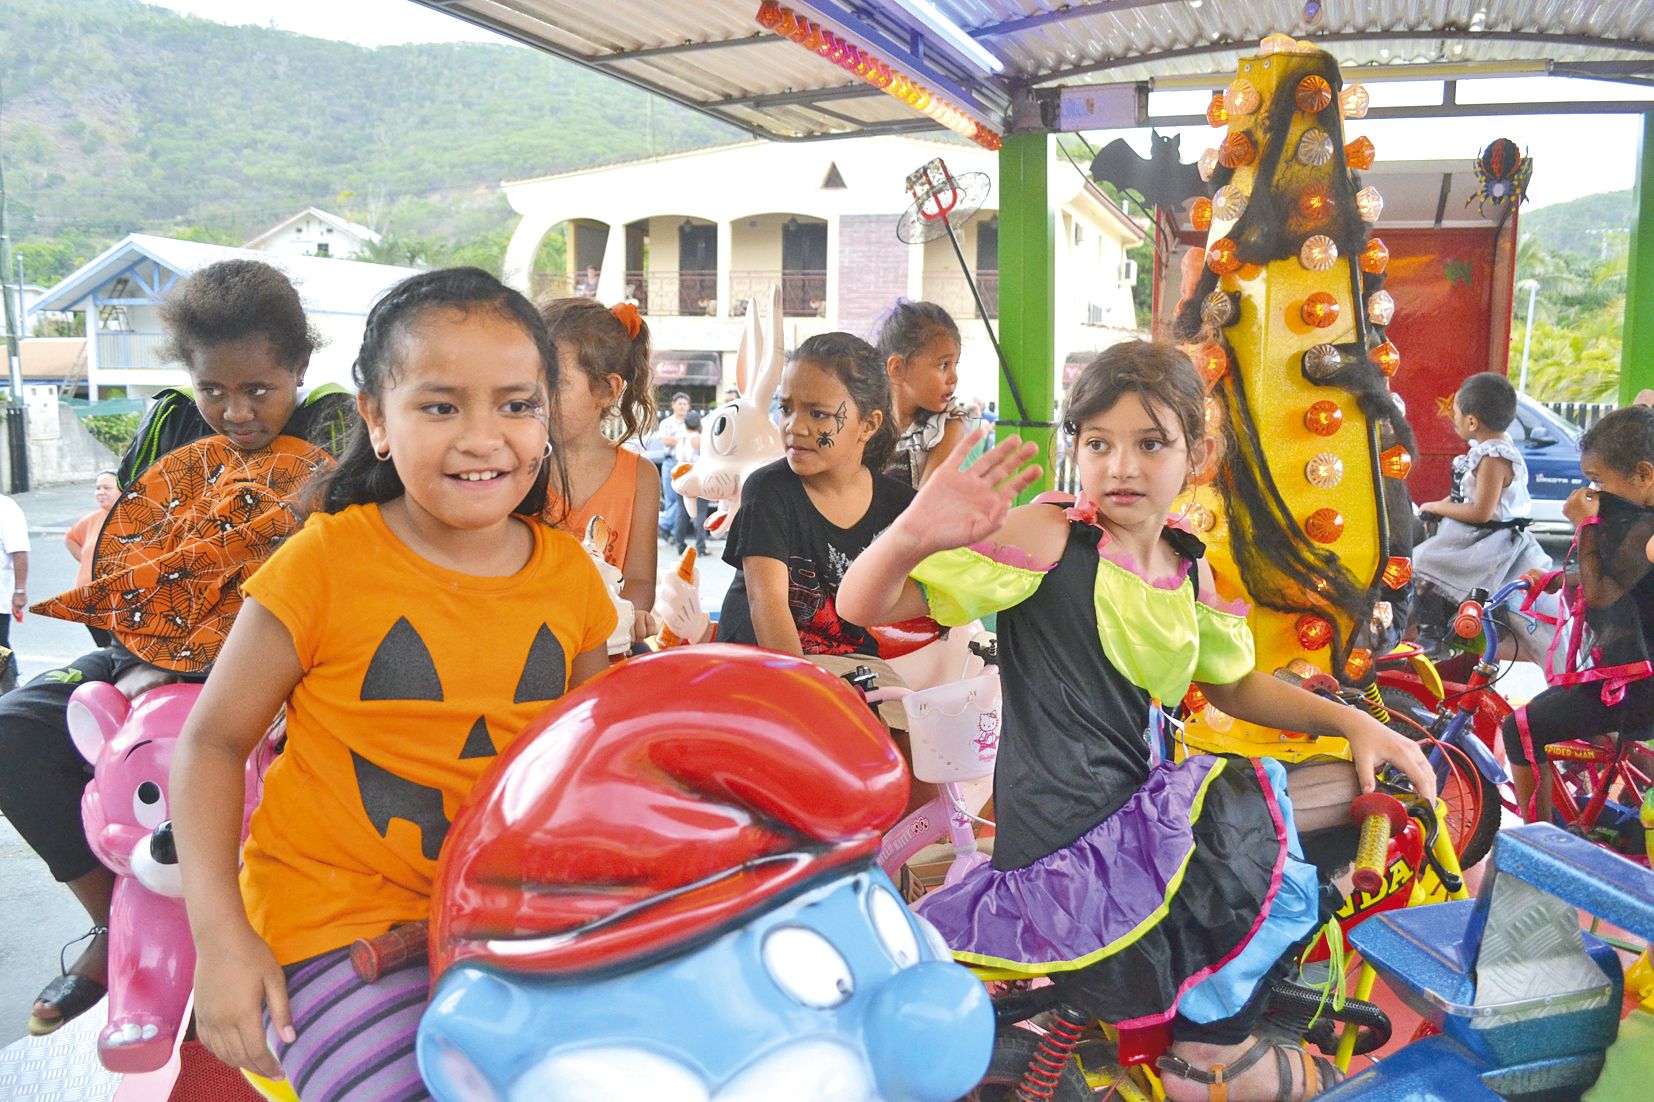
{"x": 1200, "y": 214}
{"x": 1359, "y": 154}
{"x": 788, "y": 23}
{"x": 1217, "y": 112}
{"x": 1194, "y": 700}
{"x": 1320, "y": 309}
{"x": 1315, "y": 203}
{"x": 1374, "y": 257}
{"x": 803, "y": 29}
{"x": 1313, "y": 93}
{"x": 1398, "y": 571}
{"x": 1212, "y": 362}
{"x": 1222, "y": 256}
{"x": 1388, "y": 358}
{"x": 1324, "y": 418}
{"x": 1236, "y": 151}
{"x": 1360, "y": 663}
{"x": 1324, "y": 525}
{"x": 1313, "y": 632}
{"x": 769, "y": 14}
{"x": 1395, "y": 462}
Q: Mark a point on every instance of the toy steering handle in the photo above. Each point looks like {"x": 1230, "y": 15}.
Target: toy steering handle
{"x": 374, "y": 957}
{"x": 1380, "y": 816}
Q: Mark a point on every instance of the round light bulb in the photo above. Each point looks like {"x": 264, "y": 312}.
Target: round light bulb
{"x": 1221, "y": 256}
{"x": 1323, "y": 418}
{"x": 1200, "y": 214}
{"x": 1320, "y": 309}
{"x": 1395, "y": 462}
{"x": 1316, "y": 204}
{"x": 1324, "y": 470}
{"x": 1353, "y": 101}
{"x": 1241, "y": 97}
{"x": 1369, "y": 204}
{"x": 1322, "y": 362}
{"x": 1318, "y": 254}
{"x": 1217, "y": 113}
{"x": 1228, "y": 203}
{"x": 1388, "y": 358}
{"x": 1360, "y": 663}
{"x": 1398, "y": 571}
{"x": 1313, "y": 93}
{"x": 1314, "y": 148}
{"x": 1208, "y": 164}
{"x": 1359, "y": 154}
{"x": 1324, "y": 525}
{"x": 1380, "y": 308}
{"x": 1237, "y": 151}
{"x": 1219, "y": 309}
{"x": 1375, "y": 257}
{"x": 1313, "y": 632}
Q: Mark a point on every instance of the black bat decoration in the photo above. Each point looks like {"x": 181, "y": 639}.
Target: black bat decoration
{"x": 1162, "y": 180}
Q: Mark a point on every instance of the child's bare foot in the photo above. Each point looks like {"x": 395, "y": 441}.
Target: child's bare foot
{"x": 1257, "y": 1070}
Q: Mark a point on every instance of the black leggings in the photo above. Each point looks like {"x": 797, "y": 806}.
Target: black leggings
{"x": 1577, "y": 711}
{"x": 42, "y": 775}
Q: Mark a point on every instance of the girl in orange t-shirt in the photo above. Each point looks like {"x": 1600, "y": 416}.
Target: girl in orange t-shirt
{"x": 419, "y": 621}
{"x": 604, "y": 359}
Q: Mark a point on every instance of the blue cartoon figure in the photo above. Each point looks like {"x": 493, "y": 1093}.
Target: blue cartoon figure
{"x": 652, "y": 900}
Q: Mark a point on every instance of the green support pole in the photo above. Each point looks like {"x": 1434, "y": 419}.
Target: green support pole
{"x": 1028, "y": 291}
{"x": 1637, "y": 350}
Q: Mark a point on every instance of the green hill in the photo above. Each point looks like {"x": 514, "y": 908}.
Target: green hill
{"x": 1592, "y": 225}
{"x": 121, "y": 117}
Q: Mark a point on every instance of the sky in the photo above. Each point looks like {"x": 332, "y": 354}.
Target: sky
{"x": 1574, "y": 155}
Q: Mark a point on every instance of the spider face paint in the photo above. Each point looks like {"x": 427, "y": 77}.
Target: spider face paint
{"x": 819, "y": 420}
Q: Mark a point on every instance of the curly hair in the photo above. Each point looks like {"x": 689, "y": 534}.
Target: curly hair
{"x": 1622, "y": 439}
{"x": 231, "y": 301}
{"x": 1489, "y": 398}
{"x": 602, "y": 347}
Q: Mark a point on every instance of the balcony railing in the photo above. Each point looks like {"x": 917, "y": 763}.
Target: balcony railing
{"x": 120, "y": 351}
{"x": 674, "y": 294}
{"x": 952, "y": 292}
{"x": 803, "y": 290}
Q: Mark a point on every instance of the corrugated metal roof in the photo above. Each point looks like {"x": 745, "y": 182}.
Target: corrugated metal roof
{"x": 712, "y": 54}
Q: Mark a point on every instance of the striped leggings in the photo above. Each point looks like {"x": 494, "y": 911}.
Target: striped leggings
{"x": 355, "y": 1040}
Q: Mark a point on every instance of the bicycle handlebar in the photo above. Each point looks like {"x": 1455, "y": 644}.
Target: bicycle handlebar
{"x": 1380, "y": 816}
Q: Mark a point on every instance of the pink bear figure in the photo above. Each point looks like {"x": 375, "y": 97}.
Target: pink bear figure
{"x": 151, "y": 956}
{"x": 738, "y": 437}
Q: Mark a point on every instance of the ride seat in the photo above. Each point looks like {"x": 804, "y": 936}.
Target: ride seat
{"x": 1517, "y": 988}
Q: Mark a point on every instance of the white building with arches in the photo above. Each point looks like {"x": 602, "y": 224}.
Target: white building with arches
{"x": 691, "y": 236}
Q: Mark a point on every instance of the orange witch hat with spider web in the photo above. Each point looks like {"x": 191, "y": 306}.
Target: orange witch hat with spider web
{"x": 175, "y": 548}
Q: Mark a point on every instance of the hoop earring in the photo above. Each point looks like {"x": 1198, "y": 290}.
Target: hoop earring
{"x": 382, "y": 457}
{"x": 547, "y": 453}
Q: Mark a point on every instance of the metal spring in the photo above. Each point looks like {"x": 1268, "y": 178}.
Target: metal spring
{"x": 1056, "y": 1048}
{"x": 1375, "y": 704}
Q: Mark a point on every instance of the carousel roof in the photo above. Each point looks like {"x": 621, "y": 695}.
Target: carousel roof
{"x": 1048, "y": 65}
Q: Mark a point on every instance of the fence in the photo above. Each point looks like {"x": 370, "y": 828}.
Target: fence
{"x": 1583, "y": 414}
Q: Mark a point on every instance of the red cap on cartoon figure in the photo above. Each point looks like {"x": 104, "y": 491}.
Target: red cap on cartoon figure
{"x": 658, "y": 806}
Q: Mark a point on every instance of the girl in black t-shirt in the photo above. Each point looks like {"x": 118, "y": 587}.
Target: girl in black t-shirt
{"x": 805, "y": 518}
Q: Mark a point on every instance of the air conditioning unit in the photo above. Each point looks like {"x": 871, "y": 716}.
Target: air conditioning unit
{"x": 1128, "y": 271}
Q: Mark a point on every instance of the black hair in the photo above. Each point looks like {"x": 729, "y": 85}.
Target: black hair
{"x": 232, "y": 301}
{"x": 1622, "y": 439}
{"x": 858, "y": 365}
{"x": 1159, "y": 374}
{"x": 908, "y": 326}
{"x": 360, "y": 478}
{"x": 1489, "y": 398}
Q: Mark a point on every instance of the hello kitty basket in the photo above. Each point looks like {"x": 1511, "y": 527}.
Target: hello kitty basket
{"x": 954, "y": 729}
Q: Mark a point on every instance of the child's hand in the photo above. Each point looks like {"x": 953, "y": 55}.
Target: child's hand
{"x": 1431, "y": 508}
{"x": 1372, "y": 744}
{"x": 1581, "y": 505}
{"x": 1537, "y": 577}
{"x": 236, "y": 977}
{"x": 957, "y": 507}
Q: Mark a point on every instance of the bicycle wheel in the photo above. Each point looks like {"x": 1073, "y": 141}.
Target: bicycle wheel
{"x": 1013, "y": 1049}
{"x": 1470, "y": 799}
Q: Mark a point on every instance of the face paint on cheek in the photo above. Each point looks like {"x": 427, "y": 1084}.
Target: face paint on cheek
{"x": 826, "y": 438}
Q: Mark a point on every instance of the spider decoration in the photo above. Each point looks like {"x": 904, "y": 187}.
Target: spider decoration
{"x": 1502, "y": 175}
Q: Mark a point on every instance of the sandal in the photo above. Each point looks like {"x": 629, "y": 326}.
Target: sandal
{"x": 71, "y": 995}
{"x": 1319, "y": 1073}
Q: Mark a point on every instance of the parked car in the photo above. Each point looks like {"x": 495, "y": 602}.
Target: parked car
{"x": 1550, "y": 446}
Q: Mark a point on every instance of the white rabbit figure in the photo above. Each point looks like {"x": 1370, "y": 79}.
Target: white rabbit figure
{"x": 738, "y": 437}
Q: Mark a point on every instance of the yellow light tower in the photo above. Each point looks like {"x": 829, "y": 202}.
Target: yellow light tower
{"x": 1287, "y": 326}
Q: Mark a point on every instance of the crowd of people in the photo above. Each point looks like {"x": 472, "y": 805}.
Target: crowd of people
{"x": 437, "y": 598}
